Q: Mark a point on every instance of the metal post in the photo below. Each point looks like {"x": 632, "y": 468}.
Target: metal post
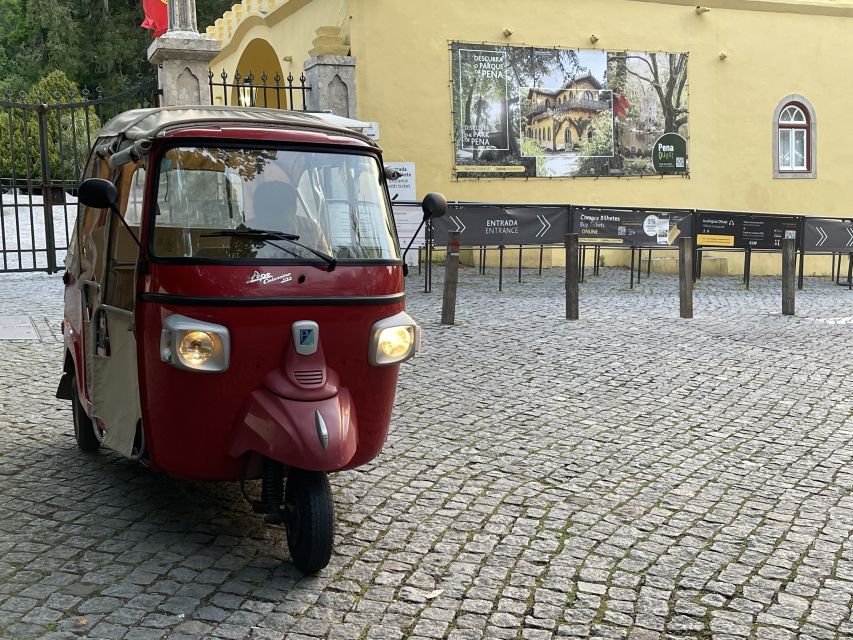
{"x": 801, "y": 234}
{"x": 747, "y": 266}
{"x": 583, "y": 262}
{"x": 500, "y": 267}
{"x": 519, "y": 263}
{"x": 639, "y": 264}
{"x": 789, "y": 256}
{"x": 632, "y": 267}
{"x": 451, "y": 279}
{"x": 46, "y": 190}
{"x": 572, "y": 286}
{"x": 849, "y": 271}
{"x": 685, "y": 277}
{"x": 541, "y": 252}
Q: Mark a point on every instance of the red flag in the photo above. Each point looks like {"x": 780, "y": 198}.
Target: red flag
{"x": 620, "y": 105}
{"x": 156, "y": 16}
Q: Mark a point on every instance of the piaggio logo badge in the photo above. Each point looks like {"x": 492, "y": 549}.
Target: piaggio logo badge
{"x": 306, "y": 337}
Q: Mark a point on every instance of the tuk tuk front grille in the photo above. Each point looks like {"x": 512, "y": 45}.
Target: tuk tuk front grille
{"x": 310, "y": 378}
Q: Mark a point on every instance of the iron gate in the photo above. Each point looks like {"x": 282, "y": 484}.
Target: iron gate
{"x": 43, "y": 152}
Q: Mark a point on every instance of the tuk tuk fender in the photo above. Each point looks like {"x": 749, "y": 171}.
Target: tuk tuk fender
{"x": 316, "y": 435}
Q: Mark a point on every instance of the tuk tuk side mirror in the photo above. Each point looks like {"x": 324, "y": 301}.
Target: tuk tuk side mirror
{"x": 434, "y": 205}
{"x": 102, "y": 194}
{"x": 98, "y": 193}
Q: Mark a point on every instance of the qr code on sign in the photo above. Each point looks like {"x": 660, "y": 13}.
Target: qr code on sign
{"x": 679, "y": 163}
{"x": 622, "y": 231}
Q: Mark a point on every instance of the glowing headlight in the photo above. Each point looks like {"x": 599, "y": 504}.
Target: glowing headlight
{"x": 194, "y": 345}
{"x": 394, "y": 340}
{"x": 197, "y": 347}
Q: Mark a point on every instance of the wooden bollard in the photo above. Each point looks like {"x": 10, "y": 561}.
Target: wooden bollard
{"x": 789, "y": 258}
{"x": 451, "y": 279}
{"x": 572, "y": 286}
{"x": 685, "y": 277}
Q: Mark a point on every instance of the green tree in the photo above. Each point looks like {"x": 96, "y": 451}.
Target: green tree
{"x": 67, "y": 143}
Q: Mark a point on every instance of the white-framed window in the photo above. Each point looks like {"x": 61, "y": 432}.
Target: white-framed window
{"x": 794, "y": 144}
{"x": 793, "y": 139}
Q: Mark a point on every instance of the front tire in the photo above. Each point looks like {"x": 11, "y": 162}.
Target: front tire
{"x": 310, "y": 519}
{"x": 84, "y": 428}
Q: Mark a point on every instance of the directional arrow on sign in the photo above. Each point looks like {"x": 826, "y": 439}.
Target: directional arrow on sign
{"x": 460, "y": 226}
{"x": 823, "y": 236}
{"x": 545, "y": 225}
{"x": 850, "y": 233}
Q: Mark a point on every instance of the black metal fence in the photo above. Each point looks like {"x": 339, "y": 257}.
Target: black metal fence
{"x": 274, "y": 92}
{"x": 44, "y": 146}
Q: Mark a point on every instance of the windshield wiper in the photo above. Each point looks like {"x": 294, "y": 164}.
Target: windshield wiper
{"x": 267, "y": 234}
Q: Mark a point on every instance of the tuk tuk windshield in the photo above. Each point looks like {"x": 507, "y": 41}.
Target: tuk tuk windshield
{"x": 333, "y": 203}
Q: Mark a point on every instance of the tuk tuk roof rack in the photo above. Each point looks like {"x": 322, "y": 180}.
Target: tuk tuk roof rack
{"x": 145, "y": 124}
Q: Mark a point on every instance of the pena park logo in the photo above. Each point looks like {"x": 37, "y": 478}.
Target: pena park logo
{"x": 669, "y": 154}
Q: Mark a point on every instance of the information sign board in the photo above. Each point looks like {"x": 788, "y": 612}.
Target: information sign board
{"x": 627, "y": 227}
{"x": 741, "y": 230}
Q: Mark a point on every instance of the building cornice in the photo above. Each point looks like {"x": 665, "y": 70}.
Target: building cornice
{"x": 834, "y": 8}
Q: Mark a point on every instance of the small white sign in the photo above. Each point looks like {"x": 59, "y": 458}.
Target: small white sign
{"x": 404, "y": 186}
{"x": 663, "y": 230}
{"x": 408, "y": 218}
{"x": 790, "y": 234}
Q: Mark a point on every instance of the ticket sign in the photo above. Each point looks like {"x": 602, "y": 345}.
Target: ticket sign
{"x": 627, "y": 227}
{"x": 742, "y": 231}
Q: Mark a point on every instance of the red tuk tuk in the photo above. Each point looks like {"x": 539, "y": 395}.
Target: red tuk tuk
{"x": 234, "y": 304}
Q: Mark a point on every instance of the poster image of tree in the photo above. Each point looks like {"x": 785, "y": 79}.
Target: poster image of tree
{"x": 483, "y": 99}
{"x": 554, "y": 113}
{"x": 650, "y": 92}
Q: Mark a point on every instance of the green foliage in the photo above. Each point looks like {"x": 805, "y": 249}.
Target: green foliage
{"x": 93, "y": 43}
{"x": 67, "y": 145}
{"x": 594, "y": 151}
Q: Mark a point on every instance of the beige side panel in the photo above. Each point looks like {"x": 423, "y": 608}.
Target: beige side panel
{"x": 115, "y": 383}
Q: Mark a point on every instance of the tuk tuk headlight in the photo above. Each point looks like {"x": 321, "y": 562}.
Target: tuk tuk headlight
{"x": 394, "y": 340}
{"x": 194, "y": 345}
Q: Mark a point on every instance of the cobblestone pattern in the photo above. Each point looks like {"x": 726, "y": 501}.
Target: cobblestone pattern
{"x": 630, "y": 475}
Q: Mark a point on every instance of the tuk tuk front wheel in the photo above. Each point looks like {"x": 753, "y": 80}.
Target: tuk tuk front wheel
{"x": 310, "y": 519}
{"x": 84, "y": 428}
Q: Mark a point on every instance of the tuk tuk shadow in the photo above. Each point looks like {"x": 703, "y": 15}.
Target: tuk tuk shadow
{"x": 179, "y": 516}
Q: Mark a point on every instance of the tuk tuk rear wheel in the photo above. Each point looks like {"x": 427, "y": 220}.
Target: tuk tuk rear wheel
{"x": 310, "y": 519}
{"x": 84, "y": 428}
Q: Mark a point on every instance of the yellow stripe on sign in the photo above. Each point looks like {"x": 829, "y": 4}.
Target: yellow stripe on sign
{"x": 596, "y": 240}
{"x": 710, "y": 240}
{"x": 489, "y": 169}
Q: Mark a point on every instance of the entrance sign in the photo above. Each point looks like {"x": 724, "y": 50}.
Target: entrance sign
{"x": 404, "y": 187}
{"x": 493, "y": 225}
{"x": 829, "y": 235}
{"x": 742, "y": 230}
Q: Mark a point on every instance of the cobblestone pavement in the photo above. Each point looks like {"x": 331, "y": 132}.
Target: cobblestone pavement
{"x": 630, "y": 475}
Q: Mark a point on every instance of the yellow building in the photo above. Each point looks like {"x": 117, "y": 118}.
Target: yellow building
{"x": 768, "y": 114}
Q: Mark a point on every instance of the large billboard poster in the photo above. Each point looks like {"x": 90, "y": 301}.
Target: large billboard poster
{"x": 525, "y": 112}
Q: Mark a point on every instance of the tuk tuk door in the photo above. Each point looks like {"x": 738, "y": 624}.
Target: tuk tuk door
{"x": 110, "y": 337}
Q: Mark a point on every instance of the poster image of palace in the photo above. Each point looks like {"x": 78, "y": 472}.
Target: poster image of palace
{"x": 555, "y": 113}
